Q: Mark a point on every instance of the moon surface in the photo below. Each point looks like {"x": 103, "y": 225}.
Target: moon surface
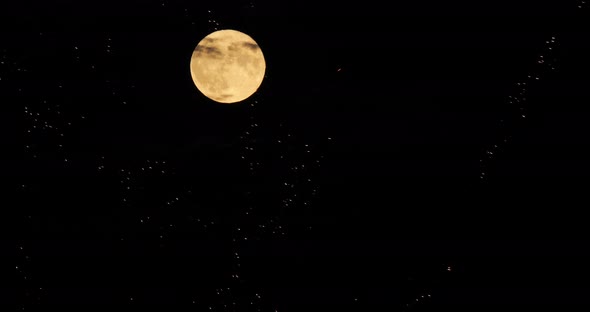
{"x": 227, "y": 66}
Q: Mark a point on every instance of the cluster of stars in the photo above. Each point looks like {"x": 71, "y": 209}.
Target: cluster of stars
{"x": 297, "y": 161}
{"x": 46, "y": 124}
{"x": 299, "y": 186}
{"x": 213, "y": 23}
{"x": 545, "y": 63}
{"x": 46, "y": 128}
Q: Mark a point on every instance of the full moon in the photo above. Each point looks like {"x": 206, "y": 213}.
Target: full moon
{"x": 227, "y": 66}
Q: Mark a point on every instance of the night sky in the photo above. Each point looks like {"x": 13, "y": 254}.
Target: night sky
{"x": 398, "y": 156}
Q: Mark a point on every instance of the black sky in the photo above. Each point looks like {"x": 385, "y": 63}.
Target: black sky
{"x": 399, "y": 155}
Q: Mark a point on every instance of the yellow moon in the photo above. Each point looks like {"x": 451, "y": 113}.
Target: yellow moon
{"x": 227, "y": 66}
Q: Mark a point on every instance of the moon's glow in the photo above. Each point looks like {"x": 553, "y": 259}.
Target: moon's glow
{"x": 227, "y": 66}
